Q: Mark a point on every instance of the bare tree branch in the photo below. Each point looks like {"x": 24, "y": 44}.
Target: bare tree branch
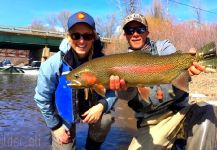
{"x": 107, "y": 26}
{"x": 63, "y": 18}
{"x": 52, "y": 21}
{"x": 157, "y": 10}
{"x": 37, "y": 25}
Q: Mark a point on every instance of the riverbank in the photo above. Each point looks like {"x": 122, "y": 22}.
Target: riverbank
{"x": 204, "y": 87}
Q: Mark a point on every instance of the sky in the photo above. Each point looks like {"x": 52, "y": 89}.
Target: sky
{"x": 21, "y": 13}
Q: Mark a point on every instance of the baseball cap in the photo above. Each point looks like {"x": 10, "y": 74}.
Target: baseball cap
{"x": 81, "y": 17}
{"x": 135, "y": 17}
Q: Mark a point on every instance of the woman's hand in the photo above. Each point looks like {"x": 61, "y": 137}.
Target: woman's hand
{"x": 62, "y": 135}
{"x": 93, "y": 114}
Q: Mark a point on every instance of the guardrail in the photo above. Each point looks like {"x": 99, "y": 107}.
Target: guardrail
{"x": 23, "y": 30}
{"x": 31, "y": 31}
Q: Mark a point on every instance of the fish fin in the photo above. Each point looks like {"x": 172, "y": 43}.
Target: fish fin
{"x": 86, "y": 92}
{"x": 144, "y": 93}
{"x": 99, "y": 89}
{"x": 181, "y": 82}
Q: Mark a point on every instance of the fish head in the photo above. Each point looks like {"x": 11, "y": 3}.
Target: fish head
{"x": 81, "y": 79}
{"x": 85, "y": 79}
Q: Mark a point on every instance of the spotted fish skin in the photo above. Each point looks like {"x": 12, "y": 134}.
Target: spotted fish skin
{"x": 136, "y": 68}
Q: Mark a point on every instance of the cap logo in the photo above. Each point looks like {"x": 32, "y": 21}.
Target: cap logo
{"x": 80, "y": 16}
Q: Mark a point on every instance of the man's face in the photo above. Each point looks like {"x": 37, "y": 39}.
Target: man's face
{"x": 136, "y": 34}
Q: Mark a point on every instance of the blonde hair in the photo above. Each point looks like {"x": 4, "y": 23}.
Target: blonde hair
{"x": 92, "y": 47}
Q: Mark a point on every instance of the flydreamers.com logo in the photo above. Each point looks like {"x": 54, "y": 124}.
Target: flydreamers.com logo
{"x": 9, "y": 141}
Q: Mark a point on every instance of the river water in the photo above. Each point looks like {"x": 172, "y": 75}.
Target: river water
{"x": 22, "y": 126}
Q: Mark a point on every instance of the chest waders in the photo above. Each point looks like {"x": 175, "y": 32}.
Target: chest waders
{"x": 65, "y": 104}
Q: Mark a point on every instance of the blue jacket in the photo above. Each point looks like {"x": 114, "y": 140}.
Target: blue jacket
{"x": 47, "y": 83}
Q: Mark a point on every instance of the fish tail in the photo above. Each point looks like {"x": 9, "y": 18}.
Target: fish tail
{"x": 207, "y": 55}
{"x": 208, "y": 51}
{"x": 210, "y": 63}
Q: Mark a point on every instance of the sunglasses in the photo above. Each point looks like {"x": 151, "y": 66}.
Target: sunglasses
{"x": 131, "y": 30}
{"x": 86, "y": 36}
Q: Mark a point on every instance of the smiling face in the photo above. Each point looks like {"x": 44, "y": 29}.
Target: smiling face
{"x": 81, "y": 37}
{"x": 136, "y": 40}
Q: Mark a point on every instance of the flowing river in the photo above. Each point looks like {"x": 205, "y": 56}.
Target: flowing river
{"x": 23, "y": 128}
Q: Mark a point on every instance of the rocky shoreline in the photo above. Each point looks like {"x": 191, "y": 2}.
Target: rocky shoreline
{"x": 203, "y": 87}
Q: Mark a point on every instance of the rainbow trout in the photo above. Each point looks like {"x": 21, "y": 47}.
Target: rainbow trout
{"x": 137, "y": 69}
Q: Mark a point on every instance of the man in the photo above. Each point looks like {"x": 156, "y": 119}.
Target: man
{"x": 164, "y": 118}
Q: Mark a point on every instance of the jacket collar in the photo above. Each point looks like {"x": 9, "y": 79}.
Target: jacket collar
{"x": 71, "y": 58}
{"x": 149, "y": 47}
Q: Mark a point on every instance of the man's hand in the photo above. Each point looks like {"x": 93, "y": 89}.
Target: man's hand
{"x": 195, "y": 68}
{"x": 120, "y": 85}
{"x": 116, "y": 83}
{"x": 62, "y": 135}
{"x": 93, "y": 114}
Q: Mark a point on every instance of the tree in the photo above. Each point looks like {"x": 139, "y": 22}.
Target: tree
{"x": 106, "y": 26}
{"x": 157, "y": 10}
{"x": 63, "y": 18}
{"x": 52, "y": 22}
{"x": 127, "y": 7}
{"x": 37, "y": 25}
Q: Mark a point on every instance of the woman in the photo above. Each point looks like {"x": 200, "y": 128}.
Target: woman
{"x": 63, "y": 106}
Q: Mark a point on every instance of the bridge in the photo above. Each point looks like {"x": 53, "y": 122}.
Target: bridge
{"x": 38, "y": 42}
{"x": 28, "y": 39}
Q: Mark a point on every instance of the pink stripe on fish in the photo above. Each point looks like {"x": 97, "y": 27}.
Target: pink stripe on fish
{"x": 144, "y": 68}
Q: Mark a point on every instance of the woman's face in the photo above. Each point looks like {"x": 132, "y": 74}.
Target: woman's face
{"x": 81, "y": 37}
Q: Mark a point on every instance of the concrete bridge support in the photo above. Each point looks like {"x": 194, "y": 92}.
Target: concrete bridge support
{"x": 35, "y": 55}
{"x": 39, "y": 55}
{"x": 45, "y": 54}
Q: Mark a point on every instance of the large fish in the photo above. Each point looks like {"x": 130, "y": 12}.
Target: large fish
{"x": 137, "y": 69}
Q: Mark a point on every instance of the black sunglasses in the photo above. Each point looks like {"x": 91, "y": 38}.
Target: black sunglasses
{"x": 131, "y": 30}
{"x": 86, "y": 36}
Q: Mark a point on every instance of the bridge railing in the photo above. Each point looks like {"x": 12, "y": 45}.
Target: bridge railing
{"x": 30, "y": 31}
{"x": 23, "y": 30}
